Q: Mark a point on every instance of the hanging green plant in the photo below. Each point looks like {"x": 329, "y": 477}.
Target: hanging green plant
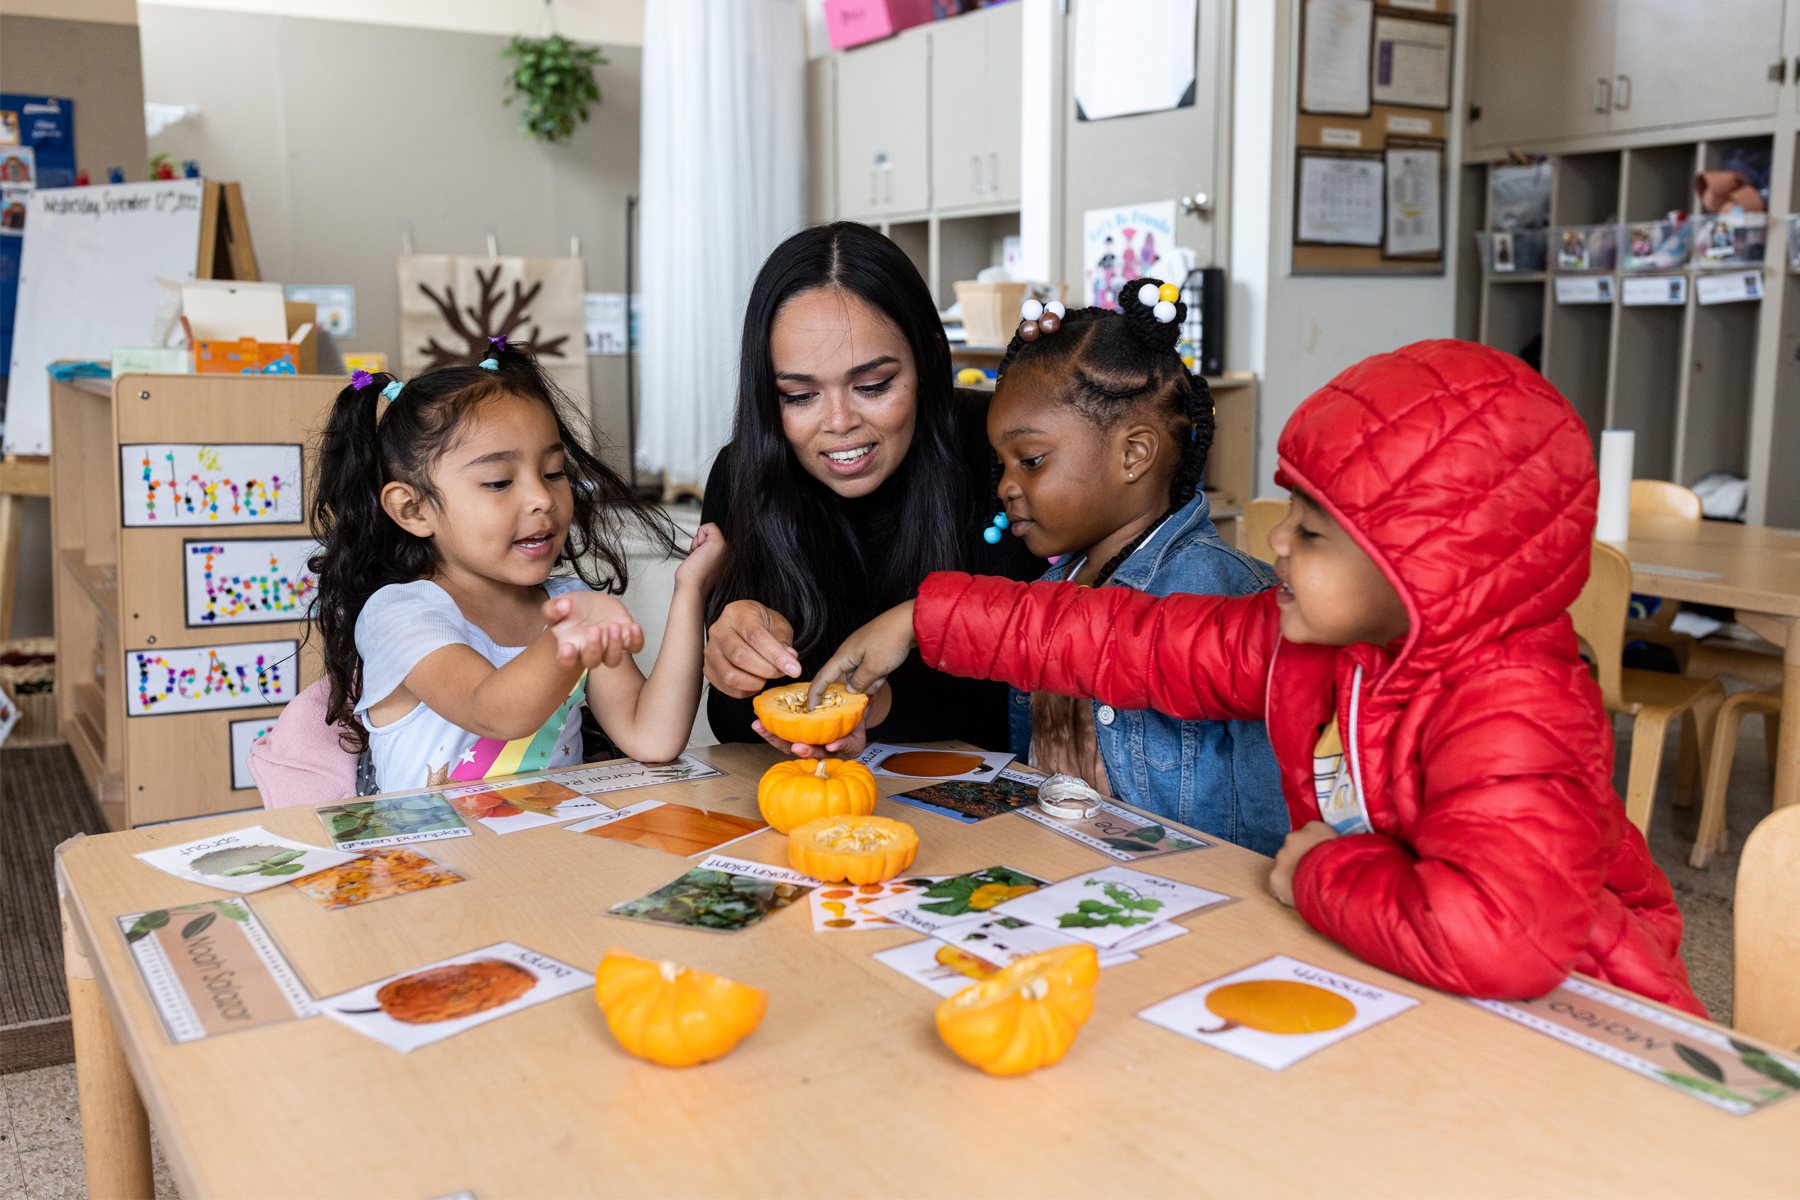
{"x": 555, "y": 79}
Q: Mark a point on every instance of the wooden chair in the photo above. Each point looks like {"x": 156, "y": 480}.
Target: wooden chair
{"x": 1652, "y": 698}
{"x": 1672, "y": 506}
{"x": 1713, "y": 834}
{"x": 1766, "y": 986}
{"x": 1260, "y": 519}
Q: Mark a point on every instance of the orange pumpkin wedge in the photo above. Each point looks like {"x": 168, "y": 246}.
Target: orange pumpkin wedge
{"x": 853, "y": 849}
{"x": 672, "y": 1015}
{"x": 1025, "y": 1016}
{"x": 782, "y": 711}
{"x": 803, "y": 789}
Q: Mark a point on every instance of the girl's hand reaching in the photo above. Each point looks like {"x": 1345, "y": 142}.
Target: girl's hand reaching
{"x": 869, "y": 655}
{"x": 592, "y": 629}
{"x": 705, "y": 562}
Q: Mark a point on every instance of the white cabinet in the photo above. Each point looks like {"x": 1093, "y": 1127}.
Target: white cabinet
{"x": 975, "y": 85}
{"x": 882, "y": 127}
{"x": 1542, "y": 70}
{"x": 1676, "y": 62}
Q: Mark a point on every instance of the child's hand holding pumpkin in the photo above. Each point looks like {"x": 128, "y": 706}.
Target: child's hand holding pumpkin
{"x": 848, "y": 746}
{"x": 870, "y": 655}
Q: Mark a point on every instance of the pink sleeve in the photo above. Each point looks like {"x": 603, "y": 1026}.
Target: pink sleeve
{"x": 300, "y": 760}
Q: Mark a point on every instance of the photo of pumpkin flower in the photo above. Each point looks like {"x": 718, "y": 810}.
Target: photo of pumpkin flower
{"x": 393, "y": 871}
{"x": 957, "y": 897}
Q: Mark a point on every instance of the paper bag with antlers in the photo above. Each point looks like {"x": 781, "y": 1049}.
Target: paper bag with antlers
{"x": 450, "y": 305}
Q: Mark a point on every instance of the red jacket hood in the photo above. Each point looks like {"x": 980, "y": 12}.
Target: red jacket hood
{"x": 1468, "y": 479}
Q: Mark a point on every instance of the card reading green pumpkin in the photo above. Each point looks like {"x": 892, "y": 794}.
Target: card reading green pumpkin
{"x": 724, "y": 894}
{"x": 391, "y": 821}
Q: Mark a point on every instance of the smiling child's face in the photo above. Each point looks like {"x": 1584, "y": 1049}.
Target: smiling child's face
{"x": 503, "y": 502}
{"x": 1331, "y": 593}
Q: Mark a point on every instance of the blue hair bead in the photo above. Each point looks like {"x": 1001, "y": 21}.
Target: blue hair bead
{"x": 392, "y": 391}
{"x": 991, "y": 536}
{"x": 488, "y": 364}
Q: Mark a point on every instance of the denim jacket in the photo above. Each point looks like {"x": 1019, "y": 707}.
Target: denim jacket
{"x": 1216, "y": 776}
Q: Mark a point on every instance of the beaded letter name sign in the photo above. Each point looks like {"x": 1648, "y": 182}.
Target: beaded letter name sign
{"x": 204, "y": 678}
{"x": 247, "y": 581}
{"x": 194, "y": 484}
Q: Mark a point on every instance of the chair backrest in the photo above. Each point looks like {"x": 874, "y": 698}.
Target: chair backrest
{"x": 1599, "y": 616}
{"x": 1657, "y": 498}
{"x": 1260, "y": 519}
{"x": 1766, "y": 959}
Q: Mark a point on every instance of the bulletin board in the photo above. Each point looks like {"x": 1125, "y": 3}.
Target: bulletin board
{"x": 1392, "y": 112}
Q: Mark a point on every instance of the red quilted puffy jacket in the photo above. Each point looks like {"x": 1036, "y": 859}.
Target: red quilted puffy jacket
{"x": 1501, "y": 858}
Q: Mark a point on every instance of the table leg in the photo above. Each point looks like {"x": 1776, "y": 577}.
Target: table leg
{"x": 115, "y": 1131}
{"x": 12, "y": 514}
{"x": 1787, "y": 749}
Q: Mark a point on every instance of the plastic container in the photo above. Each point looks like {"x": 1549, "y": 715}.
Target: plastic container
{"x": 1517, "y": 252}
{"x": 1584, "y": 249}
{"x": 990, "y": 311}
{"x": 31, "y": 686}
{"x": 1734, "y": 239}
{"x": 1655, "y": 245}
{"x": 853, "y": 22}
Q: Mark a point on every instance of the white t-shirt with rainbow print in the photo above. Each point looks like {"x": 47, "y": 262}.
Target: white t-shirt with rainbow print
{"x": 398, "y": 627}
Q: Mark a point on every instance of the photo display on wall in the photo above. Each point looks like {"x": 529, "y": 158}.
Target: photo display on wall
{"x": 207, "y": 678}
{"x": 243, "y": 736}
{"x": 247, "y": 581}
{"x": 164, "y": 484}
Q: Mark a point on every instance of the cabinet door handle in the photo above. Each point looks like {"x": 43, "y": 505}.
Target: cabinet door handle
{"x": 993, "y": 175}
{"x": 975, "y": 173}
{"x": 1602, "y": 95}
{"x": 1622, "y": 92}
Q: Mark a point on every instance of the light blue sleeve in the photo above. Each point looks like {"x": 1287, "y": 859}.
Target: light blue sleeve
{"x": 397, "y": 628}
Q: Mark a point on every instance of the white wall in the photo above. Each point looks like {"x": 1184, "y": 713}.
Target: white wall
{"x": 1298, "y": 331}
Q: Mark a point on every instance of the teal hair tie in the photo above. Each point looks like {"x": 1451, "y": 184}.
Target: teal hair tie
{"x": 488, "y": 364}
{"x": 392, "y": 391}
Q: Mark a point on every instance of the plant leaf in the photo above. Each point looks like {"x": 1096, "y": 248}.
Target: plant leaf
{"x": 1700, "y": 1062}
{"x": 1149, "y": 833}
{"x": 198, "y": 925}
{"x": 289, "y": 869}
{"x": 1707, "y": 1086}
{"x": 1772, "y": 1068}
{"x": 230, "y": 911}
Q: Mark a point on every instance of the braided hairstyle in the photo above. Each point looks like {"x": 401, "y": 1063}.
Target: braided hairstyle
{"x": 1116, "y": 364}
{"x": 366, "y": 445}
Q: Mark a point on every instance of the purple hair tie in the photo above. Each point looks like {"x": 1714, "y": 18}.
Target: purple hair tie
{"x": 360, "y": 379}
{"x": 498, "y": 343}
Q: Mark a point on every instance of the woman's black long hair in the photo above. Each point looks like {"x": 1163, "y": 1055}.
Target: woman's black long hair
{"x": 365, "y": 448}
{"x": 785, "y": 527}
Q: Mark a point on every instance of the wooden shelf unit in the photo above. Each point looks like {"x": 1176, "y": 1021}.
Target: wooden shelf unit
{"x": 117, "y": 590}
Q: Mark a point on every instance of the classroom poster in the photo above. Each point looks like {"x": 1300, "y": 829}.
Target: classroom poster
{"x": 1119, "y": 244}
{"x": 204, "y": 678}
{"x": 450, "y": 305}
{"x": 197, "y": 484}
{"x": 45, "y": 126}
{"x": 248, "y": 581}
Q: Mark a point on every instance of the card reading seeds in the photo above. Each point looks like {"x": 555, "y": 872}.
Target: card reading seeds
{"x": 212, "y": 968}
{"x": 1008, "y": 791}
{"x": 392, "y": 821}
{"x": 675, "y": 828}
{"x": 1107, "y": 906}
{"x": 245, "y": 860}
{"x": 840, "y": 906}
{"x": 955, "y": 897}
{"x": 1276, "y": 1012}
{"x": 1118, "y": 833}
{"x": 726, "y": 894}
{"x": 432, "y": 1003}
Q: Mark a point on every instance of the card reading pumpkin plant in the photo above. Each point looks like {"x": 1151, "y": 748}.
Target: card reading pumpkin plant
{"x": 1107, "y": 906}
{"x": 392, "y": 821}
{"x": 1119, "y": 833}
{"x": 212, "y": 968}
{"x": 244, "y": 860}
{"x": 724, "y": 894}
{"x": 379, "y": 874}
{"x": 956, "y": 897}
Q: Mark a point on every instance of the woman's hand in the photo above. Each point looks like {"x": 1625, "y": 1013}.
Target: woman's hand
{"x": 848, "y": 746}
{"x": 1281, "y": 876}
{"x": 869, "y": 655}
{"x": 748, "y": 646}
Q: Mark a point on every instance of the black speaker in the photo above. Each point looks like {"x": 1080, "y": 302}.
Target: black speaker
{"x": 1203, "y": 332}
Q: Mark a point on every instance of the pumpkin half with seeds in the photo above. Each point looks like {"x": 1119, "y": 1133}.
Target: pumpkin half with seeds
{"x": 1025, "y": 1016}
{"x": 853, "y": 849}
{"x": 782, "y": 711}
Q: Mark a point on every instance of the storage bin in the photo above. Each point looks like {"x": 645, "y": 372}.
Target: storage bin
{"x": 1515, "y": 252}
{"x": 1734, "y": 239}
{"x": 1655, "y": 245}
{"x": 990, "y": 311}
{"x": 853, "y": 22}
{"x": 1584, "y": 249}
{"x": 31, "y": 687}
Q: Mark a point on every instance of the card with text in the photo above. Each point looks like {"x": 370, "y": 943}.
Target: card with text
{"x": 1107, "y": 906}
{"x": 420, "y": 1007}
{"x": 841, "y": 906}
{"x": 947, "y": 968}
{"x": 1003, "y": 941}
{"x": 722, "y": 894}
{"x": 675, "y": 828}
{"x": 1119, "y": 833}
{"x": 596, "y": 779}
{"x": 1700, "y": 1060}
{"x": 244, "y": 860}
{"x": 955, "y": 897}
{"x": 391, "y": 821}
{"x": 1277, "y": 1012}
{"x": 520, "y": 803}
{"x": 910, "y": 762}
{"x": 1009, "y": 790}
{"x": 377, "y": 875}
{"x": 212, "y": 968}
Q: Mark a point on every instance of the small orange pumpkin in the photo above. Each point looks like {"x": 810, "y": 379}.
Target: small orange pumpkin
{"x": 802, "y": 789}
{"x": 857, "y": 849}
{"x": 1024, "y": 1017}
{"x": 671, "y": 1015}
{"x": 782, "y": 711}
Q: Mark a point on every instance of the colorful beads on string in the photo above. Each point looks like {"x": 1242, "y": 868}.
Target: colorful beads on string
{"x": 1038, "y": 317}
{"x": 991, "y": 535}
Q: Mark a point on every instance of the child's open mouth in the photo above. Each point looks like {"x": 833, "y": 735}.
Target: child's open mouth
{"x": 1284, "y": 594}
{"x": 536, "y": 546}
{"x": 850, "y": 459}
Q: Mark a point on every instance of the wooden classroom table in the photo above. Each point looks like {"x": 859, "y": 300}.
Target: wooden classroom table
{"x": 846, "y": 1090}
{"x": 1754, "y": 569}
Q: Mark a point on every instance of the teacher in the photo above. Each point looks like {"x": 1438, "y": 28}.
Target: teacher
{"x": 856, "y": 468}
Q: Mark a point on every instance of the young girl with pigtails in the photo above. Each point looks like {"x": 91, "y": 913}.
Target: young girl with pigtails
{"x": 471, "y": 541}
{"x": 1102, "y": 437}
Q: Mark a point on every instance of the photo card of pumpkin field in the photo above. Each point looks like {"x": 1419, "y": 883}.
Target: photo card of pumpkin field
{"x": 1107, "y": 906}
{"x": 244, "y": 860}
{"x": 391, "y": 821}
{"x": 955, "y": 898}
{"x": 416, "y": 1008}
{"x": 1277, "y": 1012}
{"x": 722, "y": 894}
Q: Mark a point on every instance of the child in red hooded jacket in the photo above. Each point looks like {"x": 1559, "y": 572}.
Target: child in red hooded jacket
{"x": 1444, "y": 754}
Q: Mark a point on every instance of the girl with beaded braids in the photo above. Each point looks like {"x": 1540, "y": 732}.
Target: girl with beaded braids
{"x": 1101, "y": 437}
{"x": 471, "y": 543}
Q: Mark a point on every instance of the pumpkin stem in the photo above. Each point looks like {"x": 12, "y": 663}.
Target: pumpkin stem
{"x": 668, "y": 970}
{"x": 820, "y": 770}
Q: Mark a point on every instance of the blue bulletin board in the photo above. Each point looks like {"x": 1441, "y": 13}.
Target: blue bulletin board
{"x": 47, "y": 125}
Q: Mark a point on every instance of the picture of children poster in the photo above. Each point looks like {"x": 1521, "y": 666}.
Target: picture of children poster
{"x": 1010, "y": 790}
{"x": 1277, "y": 1012}
{"x": 1107, "y": 906}
{"x": 12, "y": 213}
{"x": 18, "y": 167}
{"x": 392, "y": 821}
{"x": 417, "y": 1008}
{"x": 674, "y": 828}
{"x": 377, "y": 875}
{"x": 1118, "y": 833}
{"x": 723, "y": 894}
{"x": 244, "y": 860}
{"x": 212, "y": 968}
{"x": 1119, "y": 244}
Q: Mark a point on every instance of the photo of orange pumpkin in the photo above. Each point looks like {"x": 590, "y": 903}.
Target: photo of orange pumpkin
{"x": 1279, "y": 1006}
{"x": 803, "y": 789}
{"x": 671, "y": 1015}
{"x": 857, "y": 849}
{"x": 1025, "y": 1016}
{"x": 782, "y": 711}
